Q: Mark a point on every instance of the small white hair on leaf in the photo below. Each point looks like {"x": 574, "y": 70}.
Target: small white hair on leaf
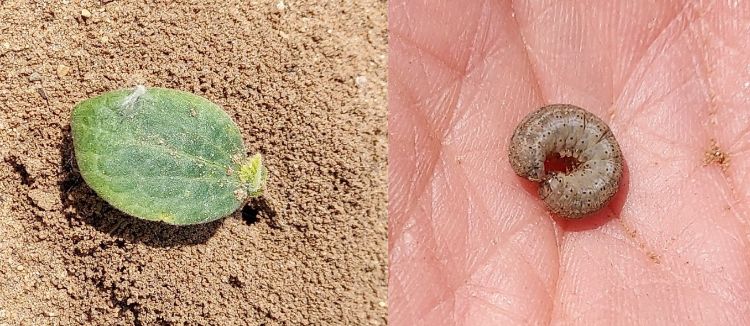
{"x": 130, "y": 100}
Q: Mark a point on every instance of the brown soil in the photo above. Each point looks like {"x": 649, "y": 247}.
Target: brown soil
{"x": 715, "y": 155}
{"x": 305, "y": 81}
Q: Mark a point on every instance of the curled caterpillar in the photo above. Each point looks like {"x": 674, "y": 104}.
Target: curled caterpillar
{"x": 571, "y": 132}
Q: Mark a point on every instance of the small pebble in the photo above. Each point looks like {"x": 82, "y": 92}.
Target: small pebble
{"x": 85, "y": 13}
{"x": 381, "y": 304}
{"x": 50, "y": 314}
{"x": 35, "y": 77}
{"x": 361, "y": 81}
{"x": 62, "y": 70}
{"x": 42, "y": 199}
{"x": 105, "y": 39}
{"x": 19, "y": 268}
{"x": 6, "y": 45}
{"x": 280, "y": 5}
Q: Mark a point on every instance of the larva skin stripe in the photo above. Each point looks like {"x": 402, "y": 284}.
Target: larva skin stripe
{"x": 573, "y": 132}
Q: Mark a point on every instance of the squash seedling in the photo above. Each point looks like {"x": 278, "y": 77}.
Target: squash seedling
{"x": 164, "y": 155}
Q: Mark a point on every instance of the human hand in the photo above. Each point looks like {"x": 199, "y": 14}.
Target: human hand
{"x": 470, "y": 243}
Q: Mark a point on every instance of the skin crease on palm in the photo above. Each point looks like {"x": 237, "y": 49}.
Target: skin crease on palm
{"x": 471, "y": 243}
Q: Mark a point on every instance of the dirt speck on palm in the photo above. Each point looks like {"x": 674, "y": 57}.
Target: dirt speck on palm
{"x": 291, "y": 76}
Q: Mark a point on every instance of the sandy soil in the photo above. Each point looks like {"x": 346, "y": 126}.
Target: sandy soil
{"x": 304, "y": 80}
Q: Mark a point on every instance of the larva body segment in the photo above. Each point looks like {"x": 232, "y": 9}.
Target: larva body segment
{"x": 571, "y": 132}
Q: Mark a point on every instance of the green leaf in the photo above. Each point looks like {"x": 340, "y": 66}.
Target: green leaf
{"x": 164, "y": 155}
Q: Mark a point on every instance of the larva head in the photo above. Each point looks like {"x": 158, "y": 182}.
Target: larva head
{"x": 523, "y": 155}
{"x": 546, "y": 186}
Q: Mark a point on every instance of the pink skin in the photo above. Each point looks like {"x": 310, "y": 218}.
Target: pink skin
{"x": 471, "y": 244}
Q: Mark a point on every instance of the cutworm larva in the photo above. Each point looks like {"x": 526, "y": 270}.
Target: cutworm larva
{"x": 571, "y": 132}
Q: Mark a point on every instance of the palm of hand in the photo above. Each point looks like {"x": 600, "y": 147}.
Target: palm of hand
{"x": 470, "y": 244}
